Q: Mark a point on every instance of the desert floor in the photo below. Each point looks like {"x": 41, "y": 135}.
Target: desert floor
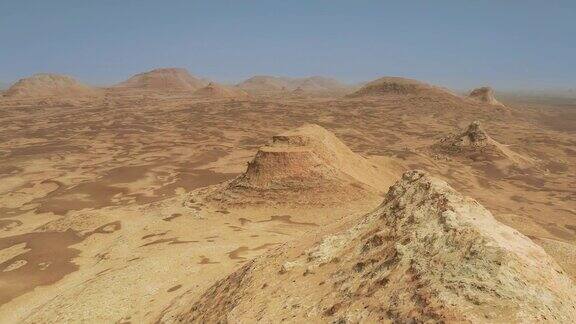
{"x": 93, "y": 220}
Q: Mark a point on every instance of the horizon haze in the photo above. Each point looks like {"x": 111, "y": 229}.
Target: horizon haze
{"x": 510, "y": 46}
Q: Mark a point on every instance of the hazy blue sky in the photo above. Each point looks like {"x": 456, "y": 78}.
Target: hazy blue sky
{"x": 508, "y": 44}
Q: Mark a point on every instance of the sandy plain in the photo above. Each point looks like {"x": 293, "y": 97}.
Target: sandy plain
{"x": 94, "y": 224}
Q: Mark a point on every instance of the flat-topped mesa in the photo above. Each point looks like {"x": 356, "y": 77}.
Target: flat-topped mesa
{"x": 427, "y": 254}
{"x": 163, "y": 79}
{"x": 49, "y": 85}
{"x": 307, "y": 165}
{"x": 484, "y": 95}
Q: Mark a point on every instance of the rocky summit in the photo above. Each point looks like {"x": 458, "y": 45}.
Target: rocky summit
{"x": 426, "y": 254}
{"x": 484, "y": 95}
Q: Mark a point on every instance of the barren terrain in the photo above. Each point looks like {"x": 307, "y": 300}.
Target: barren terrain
{"x": 97, "y": 216}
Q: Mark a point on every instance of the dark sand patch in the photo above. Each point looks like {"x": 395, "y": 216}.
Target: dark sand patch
{"x": 559, "y": 232}
{"x": 286, "y": 219}
{"x": 46, "y": 248}
{"x": 206, "y": 260}
{"x": 45, "y": 149}
{"x": 244, "y": 221}
{"x": 171, "y": 217}
{"x": 571, "y": 227}
{"x": 153, "y": 235}
{"x": 236, "y": 254}
{"x": 172, "y": 240}
{"x": 174, "y": 288}
{"x": 106, "y": 229}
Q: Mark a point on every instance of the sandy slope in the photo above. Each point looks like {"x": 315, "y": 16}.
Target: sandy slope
{"x": 305, "y": 166}
{"x": 163, "y": 79}
{"x": 217, "y": 91}
{"x": 426, "y": 254}
{"x": 49, "y": 85}
{"x": 400, "y": 86}
{"x": 475, "y": 144}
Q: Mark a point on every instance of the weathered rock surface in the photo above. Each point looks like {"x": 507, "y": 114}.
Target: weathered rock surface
{"x": 308, "y": 165}
{"x": 426, "y": 254}
{"x": 474, "y": 143}
{"x": 485, "y": 95}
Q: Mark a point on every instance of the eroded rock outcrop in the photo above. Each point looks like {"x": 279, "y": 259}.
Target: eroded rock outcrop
{"x": 426, "y": 254}
{"x": 475, "y": 144}
{"x": 308, "y": 165}
{"x": 163, "y": 79}
{"x": 484, "y": 95}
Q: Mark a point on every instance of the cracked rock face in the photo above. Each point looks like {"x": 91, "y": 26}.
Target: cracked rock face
{"x": 473, "y": 137}
{"x": 426, "y": 254}
{"x": 475, "y": 144}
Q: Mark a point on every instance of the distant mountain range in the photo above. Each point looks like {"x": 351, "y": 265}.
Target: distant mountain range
{"x": 266, "y": 83}
{"x": 179, "y": 79}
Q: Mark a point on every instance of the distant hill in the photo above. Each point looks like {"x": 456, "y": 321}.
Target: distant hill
{"x": 475, "y": 144}
{"x": 485, "y": 95}
{"x": 399, "y": 86}
{"x": 318, "y": 83}
{"x": 264, "y": 83}
{"x": 314, "y": 84}
{"x": 164, "y": 79}
{"x": 49, "y": 85}
{"x": 215, "y": 90}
